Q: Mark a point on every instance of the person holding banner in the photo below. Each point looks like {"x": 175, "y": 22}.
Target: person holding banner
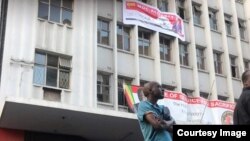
{"x": 151, "y": 115}
{"x": 242, "y": 108}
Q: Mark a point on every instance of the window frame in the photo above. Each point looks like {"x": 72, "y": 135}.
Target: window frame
{"x": 213, "y": 19}
{"x": 60, "y": 68}
{"x": 100, "y": 30}
{"x": 228, "y": 24}
{"x": 100, "y": 95}
{"x": 144, "y": 41}
{"x": 160, "y": 6}
{"x": 217, "y": 63}
{"x": 246, "y": 64}
{"x": 166, "y": 46}
{"x": 242, "y": 29}
{"x": 122, "y": 80}
{"x": 184, "y": 56}
{"x": 200, "y": 56}
{"x": 187, "y": 92}
{"x": 197, "y": 13}
{"x": 180, "y": 8}
{"x": 61, "y": 7}
{"x": 233, "y": 65}
{"x": 123, "y": 35}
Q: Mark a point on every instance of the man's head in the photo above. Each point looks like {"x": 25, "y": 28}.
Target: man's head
{"x": 246, "y": 78}
{"x": 153, "y": 90}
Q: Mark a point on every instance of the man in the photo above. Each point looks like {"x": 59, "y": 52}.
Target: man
{"x": 242, "y": 109}
{"x": 150, "y": 115}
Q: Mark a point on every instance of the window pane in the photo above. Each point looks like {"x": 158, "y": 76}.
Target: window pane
{"x": 64, "y": 79}
{"x": 181, "y": 13}
{"x": 47, "y": 1}
{"x": 146, "y": 36}
{"x": 38, "y": 76}
{"x": 99, "y": 24}
{"x": 51, "y": 78}
{"x": 119, "y": 29}
{"x": 161, "y": 52}
{"x": 140, "y": 47}
{"x": 105, "y": 25}
{"x": 121, "y": 97}
{"x": 40, "y": 58}
{"x": 126, "y": 43}
{"x": 55, "y": 14}
{"x": 43, "y": 11}
{"x": 52, "y": 61}
{"x": 67, "y": 4}
{"x": 66, "y": 17}
{"x": 119, "y": 41}
{"x": 56, "y": 2}
{"x": 99, "y": 36}
{"x": 105, "y": 37}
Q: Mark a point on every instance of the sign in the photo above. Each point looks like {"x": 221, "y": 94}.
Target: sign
{"x": 139, "y": 13}
{"x": 197, "y": 110}
{"x": 184, "y": 109}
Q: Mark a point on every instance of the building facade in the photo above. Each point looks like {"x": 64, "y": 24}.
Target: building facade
{"x": 64, "y": 62}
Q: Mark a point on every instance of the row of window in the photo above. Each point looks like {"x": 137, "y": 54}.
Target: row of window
{"x": 103, "y": 89}
{"x": 60, "y": 11}
{"x": 123, "y": 42}
{"x": 197, "y": 13}
{"x": 53, "y": 71}
{"x": 213, "y": 21}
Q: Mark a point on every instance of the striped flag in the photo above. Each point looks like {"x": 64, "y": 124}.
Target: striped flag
{"x": 130, "y": 92}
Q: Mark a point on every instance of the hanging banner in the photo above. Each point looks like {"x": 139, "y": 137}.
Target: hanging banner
{"x": 197, "y": 110}
{"x": 139, "y": 13}
{"x": 187, "y": 110}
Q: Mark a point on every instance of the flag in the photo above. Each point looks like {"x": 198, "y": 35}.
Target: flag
{"x": 131, "y": 95}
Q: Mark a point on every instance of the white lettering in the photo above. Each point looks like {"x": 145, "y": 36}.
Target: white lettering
{"x": 237, "y": 134}
{"x": 181, "y": 132}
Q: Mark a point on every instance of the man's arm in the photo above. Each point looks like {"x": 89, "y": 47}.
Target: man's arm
{"x": 157, "y": 123}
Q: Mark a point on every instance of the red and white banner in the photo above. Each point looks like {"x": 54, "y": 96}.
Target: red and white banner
{"x": 197, "y": 110}
{"x": 139, "y": 13}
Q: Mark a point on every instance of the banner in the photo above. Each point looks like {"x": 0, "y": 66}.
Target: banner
{"x": 139, "y": 13}
{"x": 191, "y": 110}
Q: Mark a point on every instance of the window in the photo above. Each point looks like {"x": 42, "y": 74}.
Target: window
{"x": 103, "y": 88}
{"x": 165, "y": 49}
{"x": 222, "y": 98}
{"x": 52, "y": 70}
{"x": 212, "y": 19}
{"x": 242, "y": 29}
{"x": 163, "y": 5}
{"x": 183, "y": 52}
{"x": 205, "y": 95}
{"x": 187, "y": 92}
{"x": 144, "y": 1}
{"x": 181, "y": 8}
{"x": 246, "y": 64}
{"x": 168, "y": 87}
{"x": 121, "y": 98}
{"x": 103, "y": 32}
{"x": 234, "y": 67}
{"x": 144, "y": 42}
{"x": 123, "y": 37}
{"x": 239, "y": 1}
{"x": 197, "y": 14}
{"x": 52, "y": 94}
{"x": 59, "y": 11}
{"x": 200, "y": 58}
{"x": 143, "y": 82}
{"x": 217, "y": 63}
{"x": 228, "y": 24}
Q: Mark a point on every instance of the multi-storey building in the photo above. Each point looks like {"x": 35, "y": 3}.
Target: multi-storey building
{"x": 63, "y": 63}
